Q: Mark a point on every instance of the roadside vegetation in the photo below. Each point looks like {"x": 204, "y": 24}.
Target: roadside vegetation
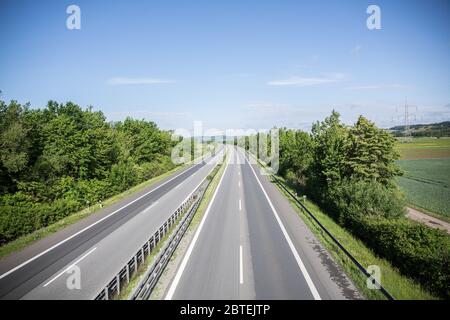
{"x": 399, "y": 286}
{"x": 27, "y": 239}
{"x": 60, "y": 159}
{"x": 351, "y": 173}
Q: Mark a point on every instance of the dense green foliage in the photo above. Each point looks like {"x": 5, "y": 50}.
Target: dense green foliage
{"x": 57, "y": 160}
{"x": 351, "y": 172}
{"x": 415, "y": 249}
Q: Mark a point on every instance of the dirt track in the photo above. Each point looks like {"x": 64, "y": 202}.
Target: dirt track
{"x": 427, "y": 220}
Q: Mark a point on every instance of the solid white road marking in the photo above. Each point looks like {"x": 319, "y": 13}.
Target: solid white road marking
{"x": 183, "y": 264}
{"x": 70, "y": 267}
{"x": 241, "y": 266}
{"x": 150, "y": 206}
{"x": 90, "y": 226}
{"x": 240, "y": 205}
{"x": 302, "y": 267}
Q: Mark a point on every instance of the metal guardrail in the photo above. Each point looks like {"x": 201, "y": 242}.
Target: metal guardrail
{"x": 148, "y": 282}
{"x": 336, "y": 241}
{"x": 113, "y": 288}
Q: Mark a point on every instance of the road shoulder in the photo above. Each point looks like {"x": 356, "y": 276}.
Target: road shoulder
{"x": 331, "y": 281}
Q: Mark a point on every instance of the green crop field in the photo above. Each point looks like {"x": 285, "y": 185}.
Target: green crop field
{"x": 426, "y": 184}
{"x": 424, "y": 148}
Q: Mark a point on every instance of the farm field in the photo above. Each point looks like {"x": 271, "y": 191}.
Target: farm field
{"x": 426, "y": 179}
{"x": 426, "y": 184}
{"x": 424, "y": 148}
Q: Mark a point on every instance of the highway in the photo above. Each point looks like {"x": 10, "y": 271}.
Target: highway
{"x": 250, "y": 244}
{"x": 99, "y": 245}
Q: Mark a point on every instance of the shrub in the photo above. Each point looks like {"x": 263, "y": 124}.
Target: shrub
{"x": 93, "y": 190}
{"x": 351, "y": 200}
{"x": 24, "y": 217}
{"x": 375, "y": 214}
{"x": 418, "y": 251}
{"x": 122, "y": 176}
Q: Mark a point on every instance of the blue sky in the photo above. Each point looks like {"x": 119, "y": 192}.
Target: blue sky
{"x": 231, "y": 64}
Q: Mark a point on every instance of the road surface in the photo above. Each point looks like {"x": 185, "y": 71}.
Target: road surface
{"x": 251, "y": 244}
{"x": 100, "y": 246}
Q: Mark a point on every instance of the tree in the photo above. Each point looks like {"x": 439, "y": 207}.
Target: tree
{"x": 295, "y": 154}
{"x": 14, "y": 144}
{"x": 330, "y": 140}
{"x": 371, "y": 155}
{"x": 145, "y": 138}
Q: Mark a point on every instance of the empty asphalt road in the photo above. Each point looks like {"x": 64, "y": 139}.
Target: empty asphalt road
{"x": 251, "y": 244}
{"x": 99, "y": 246}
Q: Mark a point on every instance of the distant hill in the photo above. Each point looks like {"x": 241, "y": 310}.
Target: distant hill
{"x": 441, "y": 129}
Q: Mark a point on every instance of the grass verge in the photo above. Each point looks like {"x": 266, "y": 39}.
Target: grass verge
{"x": 215, "y": 175}
{"x": 401, "y": 287}
{"x": 28, "y": 239}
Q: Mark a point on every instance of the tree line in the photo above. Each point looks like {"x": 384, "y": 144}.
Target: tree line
{"x": 350, "y": 172}
{"x": 59, "y": 159}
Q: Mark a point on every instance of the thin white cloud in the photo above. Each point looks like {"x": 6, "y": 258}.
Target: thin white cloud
{"x": 263, "y": 105}
{"x": 308, "y": 81}
{"x": 377, "y": 87}
{"x": 136, "y": 81}
{"x": 356, "y": 49}
{"x": 241, "y": 75}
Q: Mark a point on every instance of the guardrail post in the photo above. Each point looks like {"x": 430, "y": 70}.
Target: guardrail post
{"x": 128, "y": 273}
{"x": 106, "y": 293}
{"x": 142, "y": 253}
{"x": 135, "y": 263}
{"x": 118, "y": 284}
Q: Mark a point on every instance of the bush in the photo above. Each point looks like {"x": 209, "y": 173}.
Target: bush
{"x": 21, "y": 213}
{"x": 418, "y": 251}
{"x": 93, "y": 190}
{"x": 375, "y": 214}
{"x": 26, "y": 216}
{"x": 122, "y": 176}
{"x": 351, "y": 200}
{"x": 150, "y": 170}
